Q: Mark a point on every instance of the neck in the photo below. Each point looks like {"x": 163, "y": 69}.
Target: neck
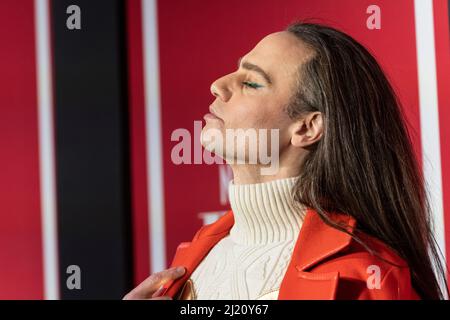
{"x": 289, "y": 166}
{"x": 264, "y": 212}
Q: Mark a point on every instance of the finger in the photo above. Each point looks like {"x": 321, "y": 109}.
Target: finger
{"x": 162, "y": 298}
{"x": 156, "y": 280}
{"x": 162, "y": 277}
{"x": 158, "y": 292}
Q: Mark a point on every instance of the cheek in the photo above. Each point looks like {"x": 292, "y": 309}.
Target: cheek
{"x": 252, "y": 114}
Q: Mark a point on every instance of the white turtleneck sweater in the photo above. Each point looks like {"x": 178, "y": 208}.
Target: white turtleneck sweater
{"x": 251, "y": 261}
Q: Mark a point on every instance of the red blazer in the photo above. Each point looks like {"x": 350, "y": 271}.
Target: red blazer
{"x": 326, "y": 263}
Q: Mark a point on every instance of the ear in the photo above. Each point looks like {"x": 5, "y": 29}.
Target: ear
{"x": 307, "y": 130}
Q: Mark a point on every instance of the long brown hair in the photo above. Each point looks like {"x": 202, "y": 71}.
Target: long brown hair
{"x": 364, "y": 165}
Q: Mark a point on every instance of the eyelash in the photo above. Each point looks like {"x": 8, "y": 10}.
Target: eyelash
{"x": 251, "y": 85}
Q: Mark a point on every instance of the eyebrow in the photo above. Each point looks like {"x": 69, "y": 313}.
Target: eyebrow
{"x": 253, "y": 67}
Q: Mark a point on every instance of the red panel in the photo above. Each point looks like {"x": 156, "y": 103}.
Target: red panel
{"x": 202, "y": 40}
{"x": 21, "y": 271}
{"x": 138, "y": 142}
{"x": 442, "y": 38}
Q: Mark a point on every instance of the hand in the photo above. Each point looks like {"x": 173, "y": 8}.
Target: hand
{"x": 150, "y": 288}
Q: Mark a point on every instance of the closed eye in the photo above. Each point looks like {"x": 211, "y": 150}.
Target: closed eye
{"x": 252, "y": 85}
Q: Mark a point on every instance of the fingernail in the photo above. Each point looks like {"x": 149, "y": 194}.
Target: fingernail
{"x": 180, "y": 270}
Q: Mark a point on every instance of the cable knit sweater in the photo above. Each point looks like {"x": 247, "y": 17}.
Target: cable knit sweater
{"x": 251, "y": 261}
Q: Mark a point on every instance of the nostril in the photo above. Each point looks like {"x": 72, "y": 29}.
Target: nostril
{"x": 214, "y": 91}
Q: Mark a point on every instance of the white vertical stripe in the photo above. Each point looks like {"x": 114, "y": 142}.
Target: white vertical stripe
{"x": 46, "y": 150}
{"x": 153, "y": 135}
{"x": 429, "y": 113}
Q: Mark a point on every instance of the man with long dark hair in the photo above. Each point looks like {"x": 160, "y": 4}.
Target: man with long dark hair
{"x": 345, "y": 216}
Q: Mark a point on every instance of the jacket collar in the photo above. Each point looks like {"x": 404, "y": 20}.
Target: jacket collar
{"x": 310, "y": 239}
{"x": 316, "y": 242}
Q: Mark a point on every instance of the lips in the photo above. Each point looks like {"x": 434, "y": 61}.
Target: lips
{"x": 211, "y": 115}
{"x": 211, "y": 110}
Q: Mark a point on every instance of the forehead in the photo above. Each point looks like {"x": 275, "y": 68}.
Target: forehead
{"x": 279, "y": 54}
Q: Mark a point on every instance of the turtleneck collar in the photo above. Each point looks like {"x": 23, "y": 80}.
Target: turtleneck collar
{"x": 264, "y": 212}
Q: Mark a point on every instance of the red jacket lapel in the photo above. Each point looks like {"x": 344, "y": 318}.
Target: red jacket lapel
{"x": 316, "y": 242}
{"x": 190, "y": 254}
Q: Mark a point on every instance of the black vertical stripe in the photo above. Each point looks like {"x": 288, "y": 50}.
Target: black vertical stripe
{"x": 91, "y": 124}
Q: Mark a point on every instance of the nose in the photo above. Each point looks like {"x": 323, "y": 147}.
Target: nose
{"x": 219, "y": 89}
{"x": 214, "y": 91}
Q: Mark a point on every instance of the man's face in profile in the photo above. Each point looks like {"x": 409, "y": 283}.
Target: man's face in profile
{"x": 256, "y": 94}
